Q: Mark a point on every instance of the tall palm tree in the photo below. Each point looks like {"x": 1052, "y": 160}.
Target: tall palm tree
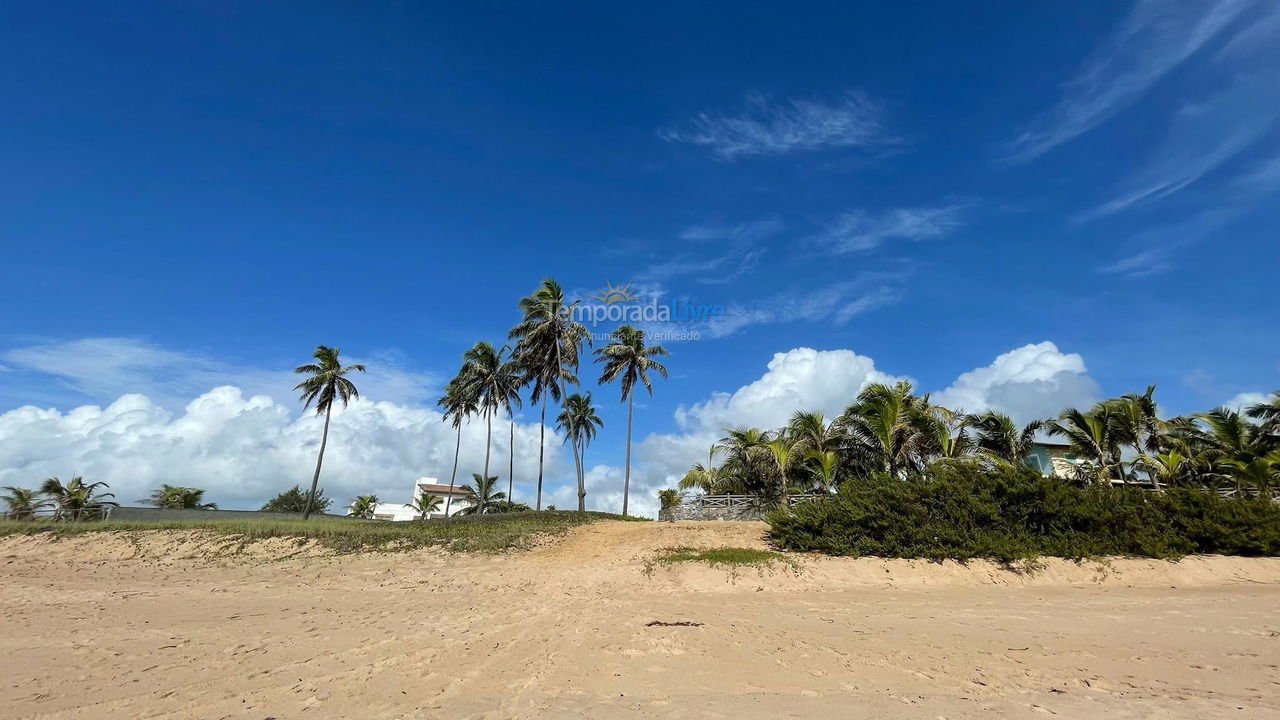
{"x": 495, "y": 384}
{"x": 998, "y": 437}
{"x": 425, "y": 504}
{"x": 77, "y": 500}
{"x": 177, "y": 497}
{"x": 482, "y": 496}
{"x": 518, "y": 378}
{"x": 24, "y": 504}
{"x": 629, "y": 360}
{"x": 459, "y": 403}
{"x": 579, "y": 421}
{"x": 327, "y": 381}
{"x": 548, "y": 345}
{"x": 363, "y": 506}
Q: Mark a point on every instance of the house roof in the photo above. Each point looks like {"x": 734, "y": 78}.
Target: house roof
{"x": 435, "y": 489}
{"x": 1052, "y": 443}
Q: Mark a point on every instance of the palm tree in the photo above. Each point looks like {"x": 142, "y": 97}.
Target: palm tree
{"x": 425, "y": 504}
{"x": 512, "y": 369}
{"x": 826, "y": 465}
{"x": 708, "y": 478}
{"x": 177, "y": 497}
{"x": 459, "y": 403}
{"x": 579, "y": 421}
{"x": 999, "y": 438}
{"x": 495, "y": 384}
{"x": 1229, "y": 444}
{"x": 483, "y": 499}
{"x": 670, "y": 500}
{"x": 363, "y": 506}
{"x": 1262, "y": 473}
{"x": 1167, "y": 469}
{"x": 888, "y": 428}
{"x": 1093, "y": 436}
{"x": 76, "y": 499}
{"x": 327, "y": 382}
{"x": 24, "y": 504}
{"x": 1268, "y": 413}
{"x": 780, "y": 451}
{"x": 627, "y": 359}
{"x": 748, "y": 464}
{"x": 549, "y": 342}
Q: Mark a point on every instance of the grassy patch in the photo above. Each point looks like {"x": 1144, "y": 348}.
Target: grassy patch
{"x": 731, "y": 557}
{"x": 483, "y": 533}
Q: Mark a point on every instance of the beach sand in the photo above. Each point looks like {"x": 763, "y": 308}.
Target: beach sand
{"x": 183, "y": 625}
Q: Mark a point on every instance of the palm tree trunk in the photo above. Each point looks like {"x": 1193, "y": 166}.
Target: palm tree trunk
{"x": 579, "y": 455}
{"x": 626, "y": 478}
{"x": 511, "y": 467}
{"x": 315, "y": 479}
{"x": 542, "y": 445}
{"x": 488, "y": 440}
{"x": 454, "y": 477}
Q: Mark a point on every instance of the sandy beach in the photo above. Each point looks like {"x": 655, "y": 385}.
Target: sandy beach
{"x": 182, "y": 625}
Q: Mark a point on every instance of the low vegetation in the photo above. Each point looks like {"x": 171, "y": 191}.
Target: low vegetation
{"x": 963, "y": 509}
{"x": 728, "y": 556}
{"x": 478, "y": 533}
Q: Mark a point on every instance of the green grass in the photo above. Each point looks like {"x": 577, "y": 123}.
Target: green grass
{"x": 483, "y": 533}
{"x": 728, "y": 556}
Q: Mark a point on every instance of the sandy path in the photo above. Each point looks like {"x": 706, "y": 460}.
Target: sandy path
{"x": 103, "y": 628}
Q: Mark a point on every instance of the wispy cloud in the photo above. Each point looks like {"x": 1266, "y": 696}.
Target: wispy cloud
{"x": 837, "y": 304}
{"x": 765, "y": 127}
{"x": 860, "y": 230}
{"x": 738, "y": 255}
{"x": 1147, "y": 262}
{"x": 748, "y": 231}
{"x": 1156, "y": 37}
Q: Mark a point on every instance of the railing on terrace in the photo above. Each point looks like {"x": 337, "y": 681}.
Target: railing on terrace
{"x": 740, "y": 502}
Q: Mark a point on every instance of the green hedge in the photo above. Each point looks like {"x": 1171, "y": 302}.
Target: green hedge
{"x": 961, "y": 510}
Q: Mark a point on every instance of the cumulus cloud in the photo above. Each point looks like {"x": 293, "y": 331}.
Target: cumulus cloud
{"x": 1033, "y": 381}
{"x": 860, "y": 230}
{"x": 1156, "y": 37}
{"x": 1244, "y": 400}
{"x": 764, "y": 127}
{"x": 243, "y": 450}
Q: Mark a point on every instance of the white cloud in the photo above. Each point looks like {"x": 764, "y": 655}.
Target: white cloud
{"x": 1148, "y": 262}
{"x": 103, "y": 369}
{"x": 242, "y": 450}
{"x": 1030, "y": 382}
{"x": 764, "y": 127}
{"x": 1244, "y": 400}
{"x": 1156, "y": 37}
{"x": 751, "y": 231}
{"x": 860, "y": 230}
{"x": 838, "y": 303}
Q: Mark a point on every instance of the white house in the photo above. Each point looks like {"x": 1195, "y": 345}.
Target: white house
{"x": 402, "y": 511}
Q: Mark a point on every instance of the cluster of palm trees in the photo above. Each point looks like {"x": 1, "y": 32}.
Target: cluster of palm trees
{"x": 71, "y": 501}
{"x": 544, "y": 359}
{"x": 889, "y": 430}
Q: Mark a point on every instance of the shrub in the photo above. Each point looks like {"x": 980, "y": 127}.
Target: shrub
{"x": 963, "y": 510}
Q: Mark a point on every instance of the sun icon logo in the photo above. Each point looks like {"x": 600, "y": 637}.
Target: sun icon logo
{"x": 611, "y": 294}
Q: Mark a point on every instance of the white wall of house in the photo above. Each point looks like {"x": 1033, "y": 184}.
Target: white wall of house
{"x": 401, "y": 512}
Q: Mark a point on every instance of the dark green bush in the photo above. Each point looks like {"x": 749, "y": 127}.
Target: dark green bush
{"x": 961, "y": 510}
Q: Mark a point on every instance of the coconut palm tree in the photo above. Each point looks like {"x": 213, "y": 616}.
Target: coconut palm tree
{"x": 670, "y": 500}
{"x": 1093, "y": 436}
{"x": 363, "y": 506}
{"x": 548, "y": 345}
{"x": 495, "y": 384}
{"x": 1267, "y": 413}
{"x": 1229, "y": 444}
{"x": 77, "y": 500}
{"x": 826, "y": 465}
{"x": 459, "y": 403}
{"x": 579, "y": 421}
{"x": 425, "y": 504}
{"x": 999, "y": 438}
{"x": 327, "y": 381}
{"x": 1166, "y": 469}
{"x": 748, "y": 464}
{"x": 518, "y": 380}
{"x": 177, "y": 497}
{"x": 888, "y": 429}
{"x": 24, "y": 504}
{"x": 708, "y": 478}
{"x": 627, "y": 359}
{"x": 482, "y": 496}
{"x": 780, "y": 452}
{"x": 1261, "y": 473}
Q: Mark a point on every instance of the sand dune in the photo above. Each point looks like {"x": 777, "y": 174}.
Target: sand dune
{"x": 184, "y": 625}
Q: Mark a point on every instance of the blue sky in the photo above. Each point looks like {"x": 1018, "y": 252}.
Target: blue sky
{"x": 196, "y": 194}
